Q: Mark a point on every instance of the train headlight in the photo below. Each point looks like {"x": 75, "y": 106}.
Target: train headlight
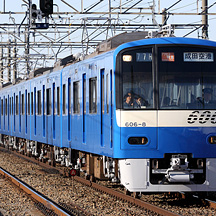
{"x": 138, "y": 140}
{"x": 127, "y": 58}
{"x": 212, "y": 139}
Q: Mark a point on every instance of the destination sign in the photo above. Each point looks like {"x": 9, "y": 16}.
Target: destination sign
{"x": 143, "y": 57}
{"x": 198, "y": 56}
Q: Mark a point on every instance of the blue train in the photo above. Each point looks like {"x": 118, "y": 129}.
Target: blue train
{"x": 142, "y": 113}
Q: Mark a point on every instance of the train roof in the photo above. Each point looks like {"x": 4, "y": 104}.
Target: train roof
{"x": 165, "y": 40}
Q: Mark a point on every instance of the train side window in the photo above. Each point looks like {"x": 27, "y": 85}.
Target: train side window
{"x": 17, "y": 105}
{"x": 58, "y": 101}
{"x": 6, "y": 106}
{"x": 48, "y": 100}
{"x": 32, "y": 104}
{"x": 1, "y": 106}
{"x": 107, "y": 93}
{"x": 35, "y": 103}
{"x": 93, "y": 95}
{"x": 64, "y": 99}
{"x": 54, "y": 99}
{"x": 23, "y": 105}
{"x": 39, "y": 101}
{"x": 69, "y": 96}
{"x": 28, "y": 103}
{"x": 10, "y": 106}
{"x": 76, "y": 98}
{"x": 44, "y": 109}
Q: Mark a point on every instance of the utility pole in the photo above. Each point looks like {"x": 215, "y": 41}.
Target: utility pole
{"x": 9, "y": 61}
{"x": 14, "y": 62}
{"x": 205, "y": 19}
{"x": 27, "y": 51}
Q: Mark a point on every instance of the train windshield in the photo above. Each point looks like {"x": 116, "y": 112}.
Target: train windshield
{"x": 137, "y": 79}
{"x": 180, "y": 77}
{"x": 187, "y": 78}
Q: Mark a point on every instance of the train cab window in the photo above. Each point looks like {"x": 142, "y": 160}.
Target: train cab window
{"x": 93, "y": 95}
{"x": 58, "y": 101}
{"x": 39, "y": 102}
{"x": 48, "y": 101}
{"x": 6, "y": 106}
{"x": 23, "y": 104}
{"x": 17, "y": 105}
{"x": 76, "y": 97}
{"x": 137, "y": 79}
{"x": 64, "y": 99}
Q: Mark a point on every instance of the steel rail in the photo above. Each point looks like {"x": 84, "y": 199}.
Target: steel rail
{"x": 122, "y": 196}
{"x": 33, "y": 194}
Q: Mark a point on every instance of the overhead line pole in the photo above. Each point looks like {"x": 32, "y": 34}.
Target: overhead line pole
{"x": 205, "y": 19}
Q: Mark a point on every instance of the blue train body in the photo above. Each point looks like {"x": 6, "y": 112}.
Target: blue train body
{"x": 81, "y": 107}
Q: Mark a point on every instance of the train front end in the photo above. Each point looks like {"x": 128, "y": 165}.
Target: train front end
{"x": 165, "y": 122}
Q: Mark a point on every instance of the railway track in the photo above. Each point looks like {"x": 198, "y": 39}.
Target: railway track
{"x": 14, "y": 201}
{"x": 120, "y": 196}
{"x": 43, "y": 203}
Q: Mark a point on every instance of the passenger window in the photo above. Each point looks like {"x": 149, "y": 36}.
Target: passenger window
{"x": 76, "y": 98}
{"x": 32, "y": 104}
{"x": 58, "y": 101}
{"x": 10, "y": 106}
{"x": 23, "y": 105}
{"x": 39, "y": 101}
{"x": 17, "y": 105}
{"x": 54, "y": 100}
{"x": 64, "y": 99}
{"x": 6, "y": 106}
{"x": 69, "y": 95}
{"x": 84, "y": 94}
{"x": 2, "y": 107}
{"x": 107, "y": 93}
{"x": 93, "y": 95}
{"x": 28, "y": 103}
{"x": 48, "y": 100}
{"x": 44, "y": 101}
{"x": 102, "y": 95}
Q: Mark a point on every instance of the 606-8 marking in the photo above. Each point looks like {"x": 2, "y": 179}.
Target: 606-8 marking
{"x": 135, "y": 124}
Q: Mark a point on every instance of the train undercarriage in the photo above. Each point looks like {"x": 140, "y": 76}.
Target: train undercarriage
{"x": 174, "y": 172}
{"x": 93, "y": 166}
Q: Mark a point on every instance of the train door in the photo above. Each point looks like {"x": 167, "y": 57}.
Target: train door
{"x": 109, "y": 108}
{"x": 84, "y": 108}
{"x": 102, "y": 102}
